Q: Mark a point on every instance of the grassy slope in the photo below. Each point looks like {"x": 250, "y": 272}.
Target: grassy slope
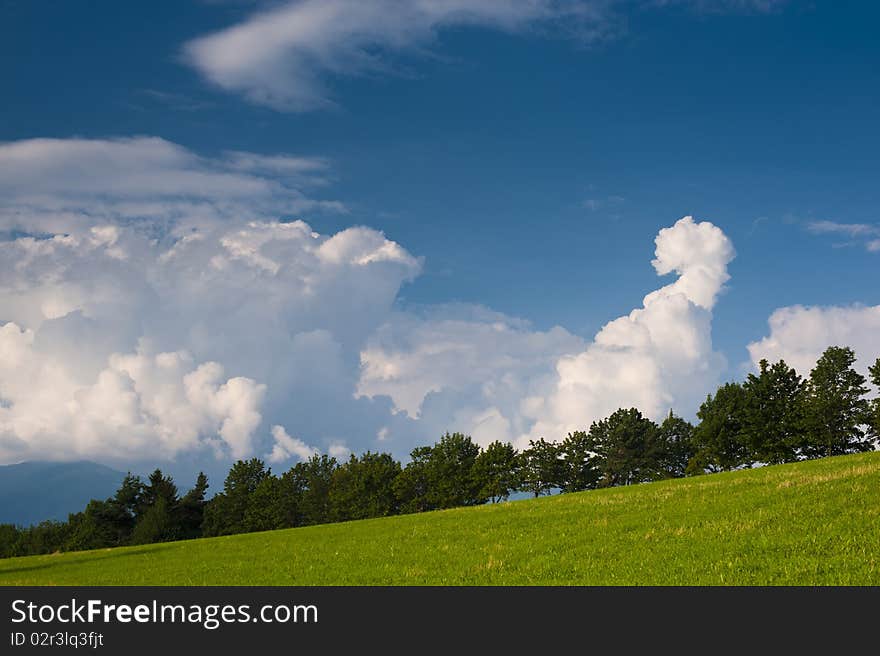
{"x": 809, "y": 523}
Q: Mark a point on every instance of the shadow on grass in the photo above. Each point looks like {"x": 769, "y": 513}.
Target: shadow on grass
{"x": 83, "y": 557}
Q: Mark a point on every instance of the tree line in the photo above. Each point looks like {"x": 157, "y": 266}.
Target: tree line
{"x": 774, "y": 416}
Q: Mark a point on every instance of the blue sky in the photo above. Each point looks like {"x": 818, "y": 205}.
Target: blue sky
{"x": 529, "y": 163}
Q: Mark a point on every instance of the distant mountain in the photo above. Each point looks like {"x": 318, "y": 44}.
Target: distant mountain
{"x": 33, "y": 491}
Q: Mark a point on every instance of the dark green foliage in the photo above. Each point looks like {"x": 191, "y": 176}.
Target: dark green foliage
{"x": 128, "y": 501}
{"x": 580, "y": 465}
{"x": 542, "y": 467}
{"x": 97, "y": 527}
{"x": 157, "y": 509}
{"x": 773, "y": 424}
{"x": 225, "y": 514}
{"x": 157, "y": 488}
{"x": 412, "y": 486}
{"x": 156, "y": 524}
{"x": 441, "y": 476}
{"x": 46, "y": 537}
{"x": 290, "y": 501}
{"x": 364, "y": 487}
{"x": 451, "y": 477}
{"x": 108, "y": 523}
{"x": 835, "y": 412}
{"x": 496, "y": 472}
{"x": 191, "y": 509}
{"x": 675, "y": 447}
{"x": 9, "y": 538}
{"x": 718, "y": 439}
{"x": 874, "y": 420}
{"x": 626, "y": 447}
{"x": 264, "y": 510}
{"x": 317, "y": 474}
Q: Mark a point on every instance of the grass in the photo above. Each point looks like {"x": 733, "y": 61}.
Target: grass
{"x": 810, "y": 523}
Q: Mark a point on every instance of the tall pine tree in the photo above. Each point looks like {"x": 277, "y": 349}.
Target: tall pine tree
{"x": 835, "y": 411}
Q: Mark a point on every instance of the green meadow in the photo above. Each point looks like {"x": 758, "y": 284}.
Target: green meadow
{"x": 809, "y": 523}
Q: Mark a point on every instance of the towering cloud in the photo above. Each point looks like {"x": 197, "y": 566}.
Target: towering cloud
{"x": 162, "y": 311}
{"x": 498, "y": 380}
{"x": 657, "y": 358}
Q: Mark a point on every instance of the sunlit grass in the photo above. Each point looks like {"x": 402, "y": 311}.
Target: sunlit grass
{"x": 809, "y": 523}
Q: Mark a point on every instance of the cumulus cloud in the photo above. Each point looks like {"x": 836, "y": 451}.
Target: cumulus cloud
{"x": 497, "y": 379}
{"x": 286, "y": 447}
{"x": 462, "y": 367}
{"x": 121, "y": 341}
{"x": 129, "y": 336}
{"x": 139, "y": 403}
{"x": 799, "y": 335}
{"x": 660, "y": 356}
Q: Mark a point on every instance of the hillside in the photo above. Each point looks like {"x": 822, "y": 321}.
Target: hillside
{"x": 815, "y": 522}
{"x": 33, "y": 491}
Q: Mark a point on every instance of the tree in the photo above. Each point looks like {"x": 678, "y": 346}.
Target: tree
{"x": 264, "y": 510}
{"x": 290, "y": 501}
{"x": 46, "y": 537}
{"x": 9, "y": 540}
{"x": 874, "y": 371}
{"x": 580, "y": 467}
{"x": 127, "y": 501}
{"x": 96, "y": 527}
{"x": 718, "y": 441}
{"x": 835, "y": 410}
{"x": 412, "y": 486}
{"x": 675, "y": 447}
{"x": 224, "y": 514}
{"x": 156, "y": 524}
{"x": 495, "y": 470}
{"x": 107, "y": 523}
{"x": 451, "y": 480}
{"x": 156, "y": 511}
{"x": 318, "y": 476}
{"x": 191, "y": 509}
{"x": 626, "y": 448}
{"x": 364, "y": 487}
{"x": 541, "y": 467}
{"x": 773, "y": 418}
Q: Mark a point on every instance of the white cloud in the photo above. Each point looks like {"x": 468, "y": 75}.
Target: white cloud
{"x": 286, "y": 447}
{"x": 123, "y": 341}
{"x": 864, "y": 231}
{"x": 54, "y": 185}
{"x": 850, "y": 229}
{"x": 282, "y": 56}
{"x": 279, "y": 57}
{"x": 461, "y": 367}
{"x": 139, "y": 404}
{"x": 339, "y": 451}
{"x": 660, "y": 356}
{"x": 800, "y": 334}
{"x": 498, "y": 379}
